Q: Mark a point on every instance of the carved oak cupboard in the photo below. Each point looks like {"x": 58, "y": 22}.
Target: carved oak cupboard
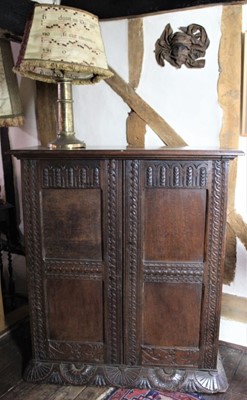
{"x": 125, "y": 255}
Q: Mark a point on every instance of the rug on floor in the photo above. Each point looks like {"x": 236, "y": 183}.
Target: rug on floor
{"x": 149, "y": 394}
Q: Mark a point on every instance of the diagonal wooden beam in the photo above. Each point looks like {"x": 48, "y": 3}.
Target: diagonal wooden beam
{"x": 166, "y": 133}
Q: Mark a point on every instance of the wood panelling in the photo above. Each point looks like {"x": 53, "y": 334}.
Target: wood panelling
{"x": 71, "y": 305}
{"x": 75, "y": 215}
{"x": 162, "y": 328}
{"x": 174, "y": 224}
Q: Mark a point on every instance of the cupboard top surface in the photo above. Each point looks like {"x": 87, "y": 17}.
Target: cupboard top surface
{"x": 128, "y": 153}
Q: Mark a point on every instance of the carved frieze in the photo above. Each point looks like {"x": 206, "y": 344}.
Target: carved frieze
{"x": 70, "y": 176}
{"x": 179, "y": 174}
{"x": 90, "y": 352}
{"x": 169, "y": 356}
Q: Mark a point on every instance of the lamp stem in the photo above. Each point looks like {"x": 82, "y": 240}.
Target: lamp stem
{"x": 65, "y": 108}
{"x": 65, "y": 118}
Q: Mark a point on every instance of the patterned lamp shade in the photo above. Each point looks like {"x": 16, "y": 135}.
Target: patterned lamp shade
{"x": 63, "y": 42}
{"x": 10, "y": 104}
{"x": 63, "y": 45}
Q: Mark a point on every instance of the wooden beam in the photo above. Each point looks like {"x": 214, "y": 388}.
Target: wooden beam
{"x": 145, "y": 112}
{"x": 135, "y": 50}
{"x": 136, "y": 129}
{"x": 234, "y": 308}
{"x": 126, "y": 8}
{"x": 230, "y": 255}
{"x": 135, "y": 126}
{"x": 13, "y": 18}
{"x": 229, "y": 86}
{"x": 229, "y": 90}
{"x": 46, "y": 111}
{"x": 15, "y": 13}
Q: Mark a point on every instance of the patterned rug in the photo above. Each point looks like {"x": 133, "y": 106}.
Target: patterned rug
{"x": 149, "y": 394}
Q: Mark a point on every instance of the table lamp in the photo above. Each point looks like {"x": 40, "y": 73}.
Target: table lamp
{"x": 63, "y": 45}
{"x": 10, "y": 103}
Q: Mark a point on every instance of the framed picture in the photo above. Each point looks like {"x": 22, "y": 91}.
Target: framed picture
{"x": 244, "y": 87}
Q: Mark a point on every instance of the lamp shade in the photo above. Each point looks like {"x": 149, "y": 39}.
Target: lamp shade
{"x": 10, "y": 104}
{"x": 62, "y": 43}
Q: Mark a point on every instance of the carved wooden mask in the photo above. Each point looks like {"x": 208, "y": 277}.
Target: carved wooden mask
{"x": 185, "y": 47}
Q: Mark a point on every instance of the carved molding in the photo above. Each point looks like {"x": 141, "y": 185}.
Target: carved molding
{"x": 180, "y": 174}
{"x": 72, "y": 270}
{"x": 34, "y": 256}
{"x": 132, "y": 260}
{"x": 173, "y": 272}
{"x": 217, "y": 217}
{"x": 132, "y": 377}
{"x": 113, "y": 289}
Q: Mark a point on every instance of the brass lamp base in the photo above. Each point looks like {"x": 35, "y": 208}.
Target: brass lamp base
{"x": 66, "y": 138}
{"x": 68, "y": 142}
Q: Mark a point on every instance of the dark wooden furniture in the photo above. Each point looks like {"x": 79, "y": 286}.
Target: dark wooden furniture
{"x": 125, "y": 259}
{"x": 7, "y": 290}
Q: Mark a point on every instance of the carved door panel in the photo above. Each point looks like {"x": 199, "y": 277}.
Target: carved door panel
{"x": 75, "y": 237}
{"x": 166, "y": 239}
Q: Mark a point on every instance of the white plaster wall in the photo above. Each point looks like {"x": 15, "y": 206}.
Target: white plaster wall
{"x": 186, "y": 98}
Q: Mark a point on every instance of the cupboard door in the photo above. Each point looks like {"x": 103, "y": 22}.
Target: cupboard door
{"x": 165, "y": 253}
{"x": 76, "y": 256}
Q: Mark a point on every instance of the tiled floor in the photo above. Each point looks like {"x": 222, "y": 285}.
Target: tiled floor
{"x": 15, "y": 351}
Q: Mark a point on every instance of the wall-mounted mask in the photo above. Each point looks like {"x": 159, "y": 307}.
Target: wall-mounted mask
{"x": 185, "y": 47}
